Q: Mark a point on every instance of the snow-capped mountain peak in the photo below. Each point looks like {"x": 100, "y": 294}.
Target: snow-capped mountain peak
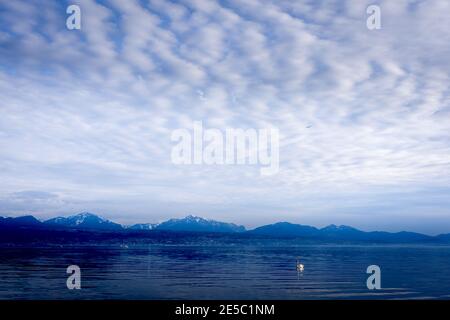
{"x": 143, "y": 226}
{"x": 194, "y": 223}
{"x": 85, "y": 220}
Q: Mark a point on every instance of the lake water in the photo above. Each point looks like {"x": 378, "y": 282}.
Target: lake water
{"x": 225, "y": 271}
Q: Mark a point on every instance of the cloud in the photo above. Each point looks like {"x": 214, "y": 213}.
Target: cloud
{"x": 88, "y": 114}
{"x": 29, "y": 201}
{"x": 33, "y": 195}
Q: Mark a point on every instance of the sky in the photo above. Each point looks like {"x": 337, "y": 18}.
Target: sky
{"x": 86, "y": 116}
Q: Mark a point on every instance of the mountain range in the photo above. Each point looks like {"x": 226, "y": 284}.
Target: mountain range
{"x": 90, "y": 222}
{"x": 333, "y": 232}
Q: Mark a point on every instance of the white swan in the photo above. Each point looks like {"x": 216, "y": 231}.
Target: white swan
{"x": 300, "y": 266}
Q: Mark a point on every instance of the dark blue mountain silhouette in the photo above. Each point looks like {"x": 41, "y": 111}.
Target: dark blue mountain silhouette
{"x": 24, "y": 221}
{"x": 349, "y": 233}
{"x": 444, "y": 237}
{"x": 286, "y": 229}
{"x": 333, "y": 232}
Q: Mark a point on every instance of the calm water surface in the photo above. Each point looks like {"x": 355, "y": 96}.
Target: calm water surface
{"x": 225, "y": 271}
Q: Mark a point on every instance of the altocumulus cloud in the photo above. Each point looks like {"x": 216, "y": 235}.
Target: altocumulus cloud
{"x": 363, "y": 115}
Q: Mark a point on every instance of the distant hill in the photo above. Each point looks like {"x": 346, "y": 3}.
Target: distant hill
{"x": 192, "y": 223}
{"x": 444, "y": 237}
{"x": 340, "y": 233}
{"x": 286, "y": 229}
{"x": 23, "y": 221}
{"x": 85, "y": 220}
